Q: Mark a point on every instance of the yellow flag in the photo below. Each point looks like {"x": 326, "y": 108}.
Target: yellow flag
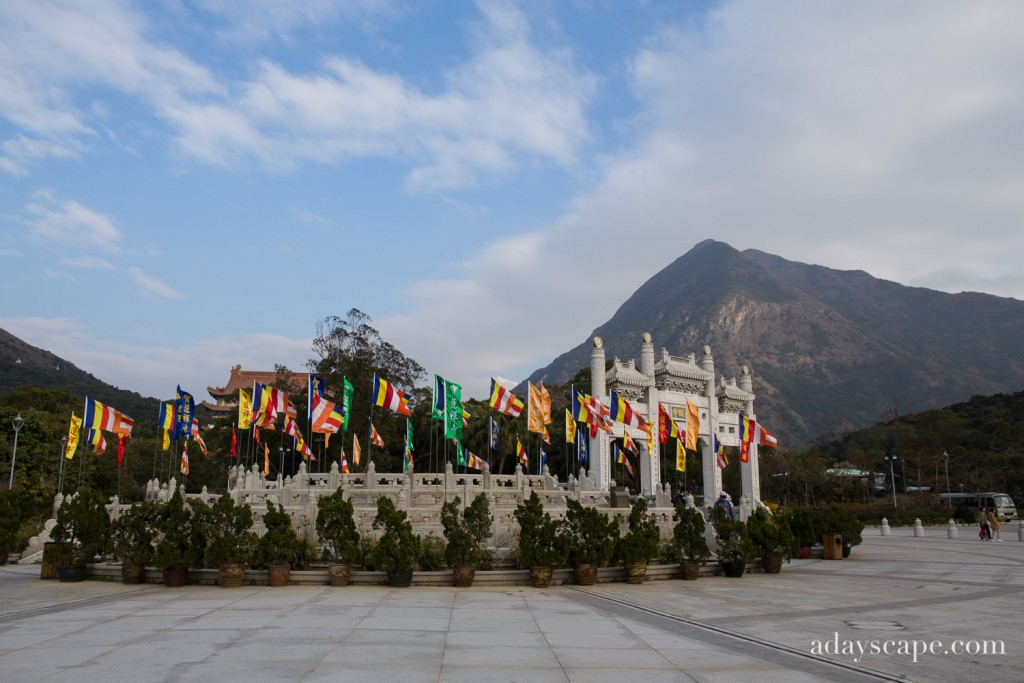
{"x": 680, "y": 456}
{"x": 570, "y": 427}
{"x": 355, "y": 449}
{"x": 167, "y": 439}
{"x": 650, "y": 445}
{"x": 545, "y": 404}
{"x": 266, "y": 460}
{"x": 244, "y": 409}
{"x": 74, "y": 432}
{"x": 692, "y": 425}
{"x": 536, "y": 411}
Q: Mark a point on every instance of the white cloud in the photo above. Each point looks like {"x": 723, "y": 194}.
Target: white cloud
{"x": 88, "y": 262}
{"x": 152, "y": 285}
{"x": 66, "y": 224}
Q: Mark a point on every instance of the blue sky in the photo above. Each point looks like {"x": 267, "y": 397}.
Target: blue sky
{"x": 189, "y": 185}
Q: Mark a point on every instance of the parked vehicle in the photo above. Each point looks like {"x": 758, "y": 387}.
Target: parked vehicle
{"x": 1000, "y": 502}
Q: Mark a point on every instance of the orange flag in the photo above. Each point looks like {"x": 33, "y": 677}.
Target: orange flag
{"x": 692, "y": 425}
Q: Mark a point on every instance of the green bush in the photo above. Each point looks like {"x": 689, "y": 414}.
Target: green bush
{"x": 82, "y": 530}
{"x": 335, "y": 524}
{"x": 229, "y": 534}
{"x": 770, "y": 534}
{"x": 688, "y": 537}
{"x": 432, "y": 553}
{"x": 540, "y": 544}
{"x": 134, "y": 533}
{"x": 640, "y": 543}
{"x": 590, "y": 535}
{"x": 280, "y": 544}
{"x": 397, "y": 548}
{"x": 466, "y": 531}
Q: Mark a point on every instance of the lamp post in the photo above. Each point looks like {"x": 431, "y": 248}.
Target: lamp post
{"x": 945, "y": 462}
{"x": 60, "y": 477}
{"x": 280, "y": 468}
{"x": 890, "y": 458}
{"x": 17, "y": 422}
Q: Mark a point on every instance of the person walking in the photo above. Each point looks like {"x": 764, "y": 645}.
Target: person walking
{"x": 993, "y": 525}
{"x": 723, "y": 504}
{"x": 985, "y": 533}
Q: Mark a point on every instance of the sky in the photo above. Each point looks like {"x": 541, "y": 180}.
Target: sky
{"x": 190, "y": 185}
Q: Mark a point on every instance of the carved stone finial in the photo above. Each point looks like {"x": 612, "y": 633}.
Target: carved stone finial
{"x": 598, "y": 342}
{"x": 647, "y": 337}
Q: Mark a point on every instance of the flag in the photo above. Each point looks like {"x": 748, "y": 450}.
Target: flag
{"x": 623, "y": 459}
{"x": 74, "y": 433}
{"x": 387, "y": 396}
{"x": 355, "y": 450}
{"x": 543, "y": 457}
{"x": 545, "y": 437}
{"x": 545, "y": 404}
{"x": 495, "y": 430}
{"x": 473, "y": 462}
{"x": 184, "y": 411}
{"x": 124, "y": 425}
{"x": 244, "y": 409}
{"x": 315, "y": 388}
{"x": 680, "y": 456}
{"x": 326, "y": 417}
{"x": 692, "y": 425}
{"x": 266, "y": 459}
{"x": 629, "y": 445}
{"x": 535, "y": 414}
{"x": 584, "y": 446}
{"x": 264, "y": 410}
{"x": 234, "y": 443}
{"x": 344, "y": 463}
{"x": 409, "y": 463}
{"x": 167, "y": 440}
{"x": 720, "y": 457}
{"x": 121, "y": 438}
{"x": 166, "y": 419}
{"x": 667, "y": 428}
{"x": 570, "y": 427}
{"x": 504, "y": 401}
{"x": 521, "y": 454}
{"x": 460, "y": 457}
{"x": 438, "y": 405}
{"x": 98, "y": 416}
{"x": 623, "y": 412}
{"x": 764, "y": 437}
{"x": 256, "y": 436}
{"x": 452, "y": 411}
{"x": 198, "y": 439}
{"x": 184, "y": 458}
{"x": 591, "y": 410}
{"x": 465, "y": 417}
{"x": 99, "y": 443}
{"x": 346, "y": 402}
{"x": 375, "y": 437}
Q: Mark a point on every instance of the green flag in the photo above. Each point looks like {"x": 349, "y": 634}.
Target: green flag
{"x": 408, "y": 447}
{"x": 346, "y": 402}
{"x": 437, "y": 408}
{"x": 452, "y": 411}
{"x": 461, "y": 462}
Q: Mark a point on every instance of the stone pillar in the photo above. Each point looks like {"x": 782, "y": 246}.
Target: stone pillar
{"x": 599, "y": 458}
{"x": 749, "y": 471}
{"x": 712, "y": 475}
{"x": 650, "y": 463}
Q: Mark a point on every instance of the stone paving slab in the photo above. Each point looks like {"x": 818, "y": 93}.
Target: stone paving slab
{"x": 759, "y": 627}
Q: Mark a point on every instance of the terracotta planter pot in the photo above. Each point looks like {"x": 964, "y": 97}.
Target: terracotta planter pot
{"x": 585, "y": 574}
{"x": 337, "y": 575}
{"x": 463, "y": 575}
{"x": 278, "y": 575}
{"x": 403, "y": 580}
{"x": 734, "y": 570}
{"x": 133, "y": 572}
{"x": 636, "y": 573}
{"x": 540, "y": 577}
{"x": 175, "y": 576}
{"x": 70, "y": 574}
{"x": 772, "y": 563}
{"x": 689, "y": 570}
{"x": 805, "y": 552}
{"x": 232, "y": 574}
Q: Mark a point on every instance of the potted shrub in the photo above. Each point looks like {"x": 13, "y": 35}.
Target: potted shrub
{"x": 640, "y": 543}
{"x": 801, "y": 523}
{"x": 398, "y": 547}
{"x": 81, "y": 533}
{"x": 690, "y": 542}
{"x": 175, "y": 550}
{"x": 336, "y": 527}
{"x": 132, "y": 535}
{"x": 772, "y": 539}
{"x": 734, "y": 548}
{"x": 278, "y": 548}
{"x": 230, "y": 540}
{"x": 848, "y": 525}
{"x": 466, "y": 531}
{"x": 590, "y": 537}
{"x": 541, "y": 548}
{"x": 10, "y": 523}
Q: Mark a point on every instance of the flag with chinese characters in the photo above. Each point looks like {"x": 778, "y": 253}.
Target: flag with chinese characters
{"x": 74, "y": 434}
{"x": 495, "y": 431}
{"x": 266, "y": 460}
{"x": 570, "y": 427}
{"x": 438, "y": 405}
{"x": 460, "y": 456}
{"x": 347, "y": 391}
{"x": 184, "y": 412}
{"x": 504, "y": 401}
{"x": 583, "y": 445}
{"x": 535, "y": 414}
{"x": 244, "y": 409}
{"x": 667, "y": 428}
{"x": 452, "y": 411}
{"x": 680, "y": 456}
{"x": 692, "y": 425}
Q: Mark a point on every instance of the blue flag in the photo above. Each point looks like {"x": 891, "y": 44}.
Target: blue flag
{"x": 581, "y": 435}
{"x": 495, "y": 430}
{"x": 185, "y": 409}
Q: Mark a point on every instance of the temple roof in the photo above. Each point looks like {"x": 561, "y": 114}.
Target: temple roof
{"x": 728, "y": 389}
{"x": 243, "y": 379}
{"x": 626, "y": 373}
{"x": 678, "y": 366}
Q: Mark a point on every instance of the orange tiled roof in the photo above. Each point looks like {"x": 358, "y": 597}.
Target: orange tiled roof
{"x": 243, "y": 379}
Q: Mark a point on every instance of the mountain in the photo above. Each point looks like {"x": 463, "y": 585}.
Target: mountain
{"x": 23, "y": 364}
{"x": 829, "y": 350}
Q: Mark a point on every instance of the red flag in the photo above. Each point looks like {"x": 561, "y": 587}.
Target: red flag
{"x": 256, "y": 436}
{"x": 234, "y": 443}
{"x": 121, "y": 438}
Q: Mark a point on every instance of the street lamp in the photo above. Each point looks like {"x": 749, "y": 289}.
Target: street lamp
{"x": 890, "y": 458}
{"x": 17, "y": 422}
{"x": 63, "y": 452}
{"x": 280, "y": 467}
{"x": 945, "y": 461}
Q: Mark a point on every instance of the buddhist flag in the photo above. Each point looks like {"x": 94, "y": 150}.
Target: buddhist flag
{"x": 344, "y": 462}
{"x": 99, "y": 416}
{"x": 570, "y": 427}
{"x": 121, "y": 439}
{"x": 438, "y": 405}
{"x": 495, "y": 431}
{"x": 680, "y": 456}
{"x": 474, "y": 462}
{"x": 545, "y": 437}
{"x": 375, "y": 437}
{"x": 234, "y": 443}
{"x": 692, "y": 425}
{"x": 315, "y": 388}
{"x": 99, "y": 443}
{"x": 184, "y": 412}
{"x": 266, "y": 460}
{"x": 326, "y": 416}
{"x": 166, "y": 418}
{"x": 504, "y": 401}
{"x": 623, "y": 459}
{"x": 667, "y": 428}
{"x": 264, "y": 411}
{"x": 198, "y": 439}
{"x": 387, "y": 396}
{"x": 346, "y": 402}
{"x": 74, "y": 433}
{"x": 629, "y": 445}
{"x": 184, "y": 458}
{"x": 521, "y": 454}
{"x": 356, "y": 452}
{"x": 720, "y": 457}
{"x": 535, "y": 421}
{"x": 244, "y": 409}
{"x": 124, "y": 425}
{"x": 452, "y": 411}
{"x": 465, "y": 417}
{"x": 623, "y": 412}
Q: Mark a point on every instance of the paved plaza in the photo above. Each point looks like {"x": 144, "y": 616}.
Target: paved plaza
{"x": 893, "y": 590}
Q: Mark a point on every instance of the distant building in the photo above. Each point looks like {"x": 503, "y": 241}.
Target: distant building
{"x": 225, "y": 397}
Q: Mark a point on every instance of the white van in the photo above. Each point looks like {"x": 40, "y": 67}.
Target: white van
{"x": 1000, "y": 502}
